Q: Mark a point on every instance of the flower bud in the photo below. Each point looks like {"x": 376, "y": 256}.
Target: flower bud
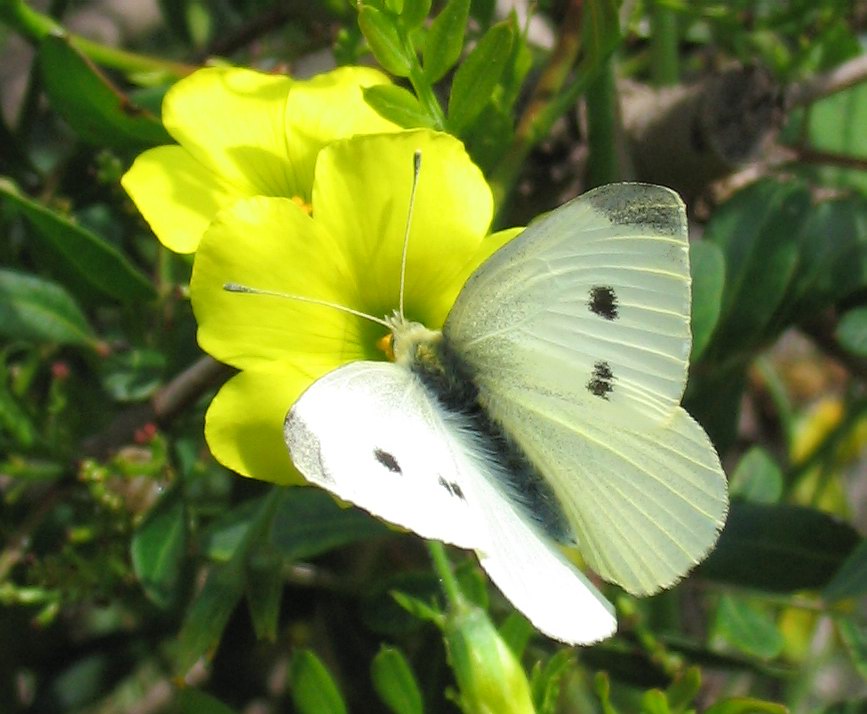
{"x": 490, "y": 677}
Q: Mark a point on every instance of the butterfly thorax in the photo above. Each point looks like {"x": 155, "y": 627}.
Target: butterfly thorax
{"x": 450, "y": 381}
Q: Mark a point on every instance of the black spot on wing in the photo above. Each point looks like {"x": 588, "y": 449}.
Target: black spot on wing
{"x": 387, "y": 460}
{"x": 453, "y": 488}
{"x": 603, "y": 302}
{"x": 601, "y": 384}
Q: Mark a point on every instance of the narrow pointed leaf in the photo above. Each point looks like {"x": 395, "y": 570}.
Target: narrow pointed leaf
{"x": 97, "y": 263}
{"x": 313, "y": 689}
{"x": 445, "y": 39}
{"x": 97, "y": 110}
{"x": 397, "y": 105}
{"x": 381, "y": 33}
{"x": 478, "y": 75}
{"x": 395, "y": 682}
{"x": 39, "y": 310}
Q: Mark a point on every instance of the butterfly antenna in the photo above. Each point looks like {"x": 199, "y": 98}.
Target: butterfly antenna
{"x": 416, "y": 169}
{"x": 238, "y": 288}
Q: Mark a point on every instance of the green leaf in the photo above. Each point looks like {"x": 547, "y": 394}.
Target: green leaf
{"x": 97, "y": 111}
{"x": 852, "y": 331}
{"x": 833, "y": 260}
{"x": 708, "y": 267}
{"x": 383, "y": 36}
{"x": 89, "y": 257}
{"x": 195, "y": 701}
{"x": 684, "y": 689}
{"x": 600, "y": 32}
{"x": 397, "y": 105}
{"x": 757, "y": 478}
{"x": 15, "y": 423}
{"x": 210, "y": 611}
{"x": 395, "y": 682}
{"x": 516, "y": 632}
{"x": 851, "y": 579}
{"x": 133, "y": 375}
{"x": 308, "y": 522}
{"x": 313, "y": 689}
{"x": 445, "y": 39}
{"x": 654, "y": 702}
{"x": 39, "y": 310}
{"x": 747, "y": 628}
{"x": 158, "y": 549}
{"x": 478, "y": 75}
{"x": 758, "y": 231}
{"x": 854, "y": 638}
{"x": 779, "y": 548}
{"x": 835, "y": 124}
{"x": 265, "y": 592}
{"x": 545, "y": 681}
{"x": 414, "y": 13}
{"x": 208, "y": 614}
{"x": 746, "y": 705}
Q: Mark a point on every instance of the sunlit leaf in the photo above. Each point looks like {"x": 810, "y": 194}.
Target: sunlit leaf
{"x": 757, "y": 477}
{"x": 477, "y": 76}
{"x": 395, "y": 682}
{"x": 99, "y": 112}
{"x": 746, "y": 627}
{"x": 313, "y": 689}
{"x": 445, "y": 39}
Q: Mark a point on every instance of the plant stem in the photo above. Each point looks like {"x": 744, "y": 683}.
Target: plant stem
{"x": 34, "y": 26}
{"x": 426, "y": 95}
{"x": 602, "y": 129}
{"x": 663, "y": 46}
{"x": 443, "y": 567}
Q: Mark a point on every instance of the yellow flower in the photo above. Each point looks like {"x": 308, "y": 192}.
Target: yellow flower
{"x": 242, "y": 133}
{"x": 347, "y": 252}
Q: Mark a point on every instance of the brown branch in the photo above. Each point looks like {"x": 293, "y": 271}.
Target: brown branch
{"x": 823, "y": 85}
{"x": 816, "y": 156}
{"x": 165, "y": 405}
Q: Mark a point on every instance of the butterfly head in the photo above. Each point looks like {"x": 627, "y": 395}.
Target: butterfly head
{"x": 407, "y": 340}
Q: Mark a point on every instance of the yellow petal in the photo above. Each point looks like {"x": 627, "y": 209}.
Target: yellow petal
{"x": 177, "y": 195}
{"x": 361, "y": 196}
{"x": 231, "y": 121}
{"x": 270, "y": 244}
{"x": 244, "y": 424}
{"x": 327, "y": 107}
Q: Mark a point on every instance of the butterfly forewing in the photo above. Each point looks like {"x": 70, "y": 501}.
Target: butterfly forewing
{"x": 577, "y": 335}
{"x": 373, "y": 435}
{"x": 590, "y": 302}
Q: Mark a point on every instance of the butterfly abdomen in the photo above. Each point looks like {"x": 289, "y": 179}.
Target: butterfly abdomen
{"x": 449, "y": 381}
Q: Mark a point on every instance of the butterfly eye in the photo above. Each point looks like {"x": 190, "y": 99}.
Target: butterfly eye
{"x": 385, "y": 344}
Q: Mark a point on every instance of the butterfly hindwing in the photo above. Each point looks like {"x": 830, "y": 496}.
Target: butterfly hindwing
{"x": 646, "y": 502}
{"x": 370, "y": 433}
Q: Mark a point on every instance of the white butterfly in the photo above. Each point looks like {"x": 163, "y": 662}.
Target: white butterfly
{"x": 546, "y": 412}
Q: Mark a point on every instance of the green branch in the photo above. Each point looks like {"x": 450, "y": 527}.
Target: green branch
{"x": 35, "y": 26}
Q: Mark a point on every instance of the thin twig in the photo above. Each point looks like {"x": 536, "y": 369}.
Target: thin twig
{"x": 809, "y": 155}
{"x": 836, "y": 80}
{"x": 550, "y": 82}
{"x": 165, "y": 405}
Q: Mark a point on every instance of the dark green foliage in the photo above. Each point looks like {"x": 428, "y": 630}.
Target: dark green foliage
{"x": 130, "y": 559}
